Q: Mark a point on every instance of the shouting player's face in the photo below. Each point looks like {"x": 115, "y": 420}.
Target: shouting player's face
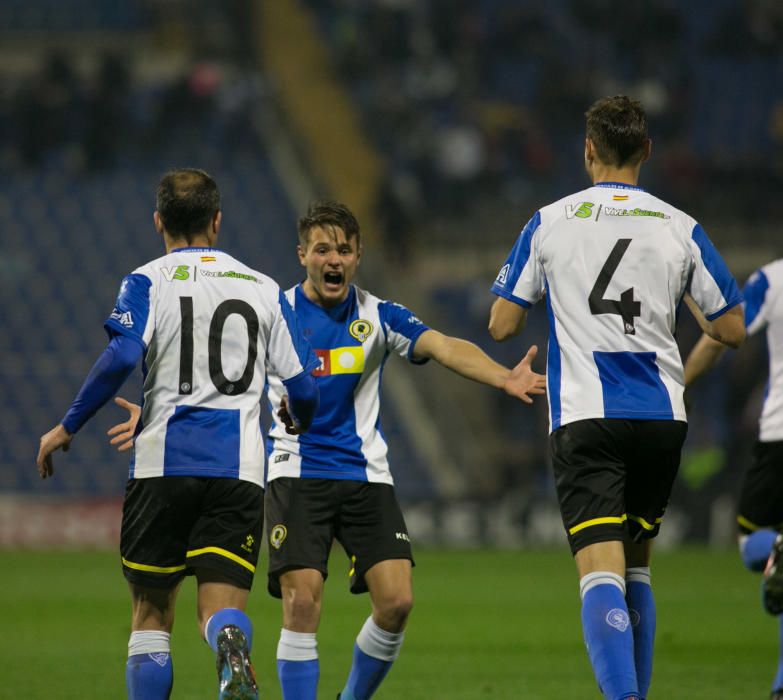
{"x": 331, "y": 260}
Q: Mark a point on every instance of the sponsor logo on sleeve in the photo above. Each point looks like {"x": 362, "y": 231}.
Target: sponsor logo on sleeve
{"x": 503, "y": 274}
{"x": 124, "y": 317}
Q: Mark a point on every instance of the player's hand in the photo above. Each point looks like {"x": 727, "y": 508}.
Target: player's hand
{"x": 57, "y": 438}
{"x": 523, "y": 381}
{"x": 284, "y": 414}
{"x": 124, "y": 432}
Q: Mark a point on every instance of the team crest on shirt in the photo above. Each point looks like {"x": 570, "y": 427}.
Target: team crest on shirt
{"x": 277, "y": 536}
{"x": 360, "y": 329}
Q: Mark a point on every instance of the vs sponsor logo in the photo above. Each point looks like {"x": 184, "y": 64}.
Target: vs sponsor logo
{"x": 175, "y": 273}
{"x": 582, "y": 210}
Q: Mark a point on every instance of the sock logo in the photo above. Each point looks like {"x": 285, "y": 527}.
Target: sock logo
{"x": 618, "y": 619}
{"x": 161, "y": 658}
{"x": 636, "y": 617}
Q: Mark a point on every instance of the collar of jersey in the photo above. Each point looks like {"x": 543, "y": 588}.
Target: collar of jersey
{"x": 334, "y": 311}
{"x": 187, "y": 249}
{"x": 618, "y": 186}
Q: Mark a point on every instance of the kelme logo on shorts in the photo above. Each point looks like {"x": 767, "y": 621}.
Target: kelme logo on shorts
{"x": 618, "y": 619}
{"x": 277, "y": 536}
{"x": 360, "y": 329}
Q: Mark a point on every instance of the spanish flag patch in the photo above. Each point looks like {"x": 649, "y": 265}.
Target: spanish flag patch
{"x": 619, "y": 197}
{"x": 208, "y": 258}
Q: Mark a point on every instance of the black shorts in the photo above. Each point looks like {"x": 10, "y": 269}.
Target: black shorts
{"x": 303, "y": 516}
{"x": 614, "y": 477}
{"x": 172, "y": 525}
{"x": 761, "y": 495}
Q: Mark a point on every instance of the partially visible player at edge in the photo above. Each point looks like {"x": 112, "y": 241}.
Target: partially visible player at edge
{"x": 614, "y": 263}
{"x": 208, "y": 329}
{"x": 335, "y": 482}
{"x": 760, "y": 508}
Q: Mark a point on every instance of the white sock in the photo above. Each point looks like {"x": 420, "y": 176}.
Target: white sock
{"x": 641, "y": 574}
{"x": 149, "y": 642}
{"x": 598, "y": 578}
{"x": 379, "y": 643}
{"x": 297, "y": 646}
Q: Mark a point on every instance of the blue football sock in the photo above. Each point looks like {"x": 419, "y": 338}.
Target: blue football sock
{"x": 149, "y": 674}
{"x": 297, "y": 665}
{"x": 228, "y": 616}
{"x": 756, "y": 547}
{"x": 608, "y": 634}
{"x": 373, "y": 655}
{"x": 641, "y": 608}
{"x": 778, "y": 682}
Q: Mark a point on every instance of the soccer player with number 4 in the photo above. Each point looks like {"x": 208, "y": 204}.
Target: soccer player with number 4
{"x": 614, "y": 264}
{"x": 209, "y": 330}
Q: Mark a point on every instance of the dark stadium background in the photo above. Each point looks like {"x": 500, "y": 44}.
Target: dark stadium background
{"x": 444, "y": 124}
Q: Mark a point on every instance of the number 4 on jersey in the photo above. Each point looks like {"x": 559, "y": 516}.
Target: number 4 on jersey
{"x": 625, "y": 307}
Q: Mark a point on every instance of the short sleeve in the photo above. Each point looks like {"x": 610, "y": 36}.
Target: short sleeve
{"x": 289, "y": 354}
{"x": 521, "y": 279}
{"x": 712, "y": 286}
{"x": 131, "y": 314}
{"x": 755, "y": 295}
{"x": 402, "y": 329}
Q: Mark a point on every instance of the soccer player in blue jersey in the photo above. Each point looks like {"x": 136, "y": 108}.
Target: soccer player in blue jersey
{"x": 208, "y": 330}
{"x": 614, "y": 263}
{"x": 760, "y": 507}
{"x": 334, "y": 482}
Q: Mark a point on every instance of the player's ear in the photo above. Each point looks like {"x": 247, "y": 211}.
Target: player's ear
{"x": 589, "y": 150}
{"x": 647, "y": 150}
{"x": 300, "y": 251}
{"x": 158, "y": 222}
{"x": 216, "y": 222}
{"x": 359, "y": 252}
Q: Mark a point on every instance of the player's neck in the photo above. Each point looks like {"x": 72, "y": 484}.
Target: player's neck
{"x": 200, "y": 241}
{"x": 608, "y": 173}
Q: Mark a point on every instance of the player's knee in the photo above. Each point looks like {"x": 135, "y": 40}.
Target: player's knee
{"x": 396, "y": 609}
{"x": 300, "y": 607}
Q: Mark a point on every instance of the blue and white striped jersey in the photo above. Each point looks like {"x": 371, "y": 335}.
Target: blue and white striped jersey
{"x": 212, "y": 329}
{"x": 614, "y": 263}
{"x": 352, "y": 342}
{"x": 763, "y": 294}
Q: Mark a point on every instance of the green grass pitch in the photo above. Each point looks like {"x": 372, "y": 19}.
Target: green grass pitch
{"x": 494, "y": 625}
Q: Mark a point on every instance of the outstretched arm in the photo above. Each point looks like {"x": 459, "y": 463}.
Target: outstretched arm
{"x": 470, "y": 361}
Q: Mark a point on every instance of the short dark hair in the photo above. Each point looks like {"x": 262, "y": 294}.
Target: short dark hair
{"x": 618, "y": 128}
{"x": 188, "y": 200}
{"x": 329, "y": 215}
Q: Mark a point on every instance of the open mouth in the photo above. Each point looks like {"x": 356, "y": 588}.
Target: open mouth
{"x": 333, "y": 278}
